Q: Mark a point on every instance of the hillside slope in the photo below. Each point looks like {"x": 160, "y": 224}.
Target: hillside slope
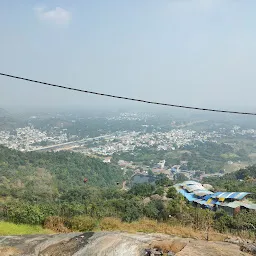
{"x": 41, "y": 176}
{"x": 241, "y": 180}
{"x": 7, "y": 121}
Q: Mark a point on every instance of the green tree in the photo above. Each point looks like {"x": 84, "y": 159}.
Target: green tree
{"x": 222, "y": 221}
{"x": 132, "y": 212}
{"x": 159, "y": 191}
{"x": 180, "y": 177}
{"x": 163, "y": 180}
{"x": 172, "y": 193}
{"x": 142, "y": 189}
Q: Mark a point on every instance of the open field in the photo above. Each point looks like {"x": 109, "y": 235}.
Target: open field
{"x": 7, "y": 228}
{"x": 235, "y": 167}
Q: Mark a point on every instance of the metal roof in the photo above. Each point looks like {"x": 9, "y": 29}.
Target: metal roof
{"x": 190, "y": 182}
{"x": 200, "y": 201}
{"x": 233, "y": 204}
{"x": 203, "y": 202}
{"x": 190, "y": 196}
{"x": 202, "y": 192}
{"x": 194, "y": 187}
{"x": 237, "y": 204}
{"x": 207, "y": 197}
{"x": 208, "y": 186}
{"x": 213, "y": 201}
{"x": 215, "y": 195}
{"x": 192, "y": 190}
{"x": 249, "y": 206}
{"x": 231, "y": 195}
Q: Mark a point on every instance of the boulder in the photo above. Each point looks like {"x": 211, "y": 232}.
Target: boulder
{"x": 169, "y": 245}
{"x": 249, "y": 248}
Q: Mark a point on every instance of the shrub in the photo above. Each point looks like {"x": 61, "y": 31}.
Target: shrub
{"x": 172, "y": 193}
{"x": 110, "y": 223}
{"x": 83, "y": 223}
{"x": 132, "y": 212}
{"x": 56, "y": 223}
{"x": 159, "y": 191}
{"x": 25, "y": 213}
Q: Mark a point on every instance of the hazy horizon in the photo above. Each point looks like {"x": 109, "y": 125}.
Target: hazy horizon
{"x": 198, "y": 53}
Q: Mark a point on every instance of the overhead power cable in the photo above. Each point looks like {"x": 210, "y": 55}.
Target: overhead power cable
{"x": 127, "y": 98}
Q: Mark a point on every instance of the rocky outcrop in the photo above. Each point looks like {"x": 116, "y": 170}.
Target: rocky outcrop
{"x": 112, "y": 244}
{"x": 169, "y": 245}
{"x": 155, "y": 197}
{"x": 248, "y": 247}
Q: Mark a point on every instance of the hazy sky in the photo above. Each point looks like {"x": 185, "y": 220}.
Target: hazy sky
{"x": 190, "y": 52}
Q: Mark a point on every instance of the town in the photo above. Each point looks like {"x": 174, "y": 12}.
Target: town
{"x": 111, "y": 144}
{"x": 172, "y": 140}
{"x": 29, "y": 138}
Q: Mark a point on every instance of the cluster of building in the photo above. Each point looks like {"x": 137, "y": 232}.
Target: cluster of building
{"x": 171, "y": 140}
{"x": 181, "y": 168}
{"x": 238, "y": 131}
{"x": 28, "y": 138}
{"x": 201, "y": 195}
{"x": 160, "y": 168}
{"x": 131, "y": 116}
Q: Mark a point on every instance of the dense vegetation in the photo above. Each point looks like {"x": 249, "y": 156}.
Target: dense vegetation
{"x": 47, "y": 189}
{"x": 242, "y": 180}
{"x": 46, "y": 176}
{"x": 208, "y": 156}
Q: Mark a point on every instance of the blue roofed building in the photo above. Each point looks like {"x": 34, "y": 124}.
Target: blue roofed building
{"x": 199, "y": 196}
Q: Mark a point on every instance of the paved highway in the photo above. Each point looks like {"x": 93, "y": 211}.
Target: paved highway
{"x": 70, "y": 143}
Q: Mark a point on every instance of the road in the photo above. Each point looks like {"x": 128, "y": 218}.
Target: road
{"x": 71, "y": 143}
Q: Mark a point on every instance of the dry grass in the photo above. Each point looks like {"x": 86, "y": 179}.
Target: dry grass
{"x": 56, "y": 224}
{"x": 110, "y": 224}
{"x": 85, "y": 223}
{"x": 151, "y": 226}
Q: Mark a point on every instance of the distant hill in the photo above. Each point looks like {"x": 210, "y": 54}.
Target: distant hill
{"x": 3, "y": 112}
{"x": 47, "y": 175}
{"x": 7, "y": 120}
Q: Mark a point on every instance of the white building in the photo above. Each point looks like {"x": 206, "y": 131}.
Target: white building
{"x": 161, "y": 164}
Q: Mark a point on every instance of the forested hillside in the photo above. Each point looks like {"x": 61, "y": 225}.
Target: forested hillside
{"x": 242, "y": 180}
{"x": 40, "y": 176}
{"x": 48, "y": 189}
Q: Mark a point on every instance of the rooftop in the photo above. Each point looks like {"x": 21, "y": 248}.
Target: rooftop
{"x": 196, "y": 192}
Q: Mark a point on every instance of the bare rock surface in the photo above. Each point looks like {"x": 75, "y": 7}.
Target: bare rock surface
{"x": 112, "y": 244}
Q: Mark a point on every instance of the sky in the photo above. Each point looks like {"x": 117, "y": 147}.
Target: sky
{"x": 188, "y": 52}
